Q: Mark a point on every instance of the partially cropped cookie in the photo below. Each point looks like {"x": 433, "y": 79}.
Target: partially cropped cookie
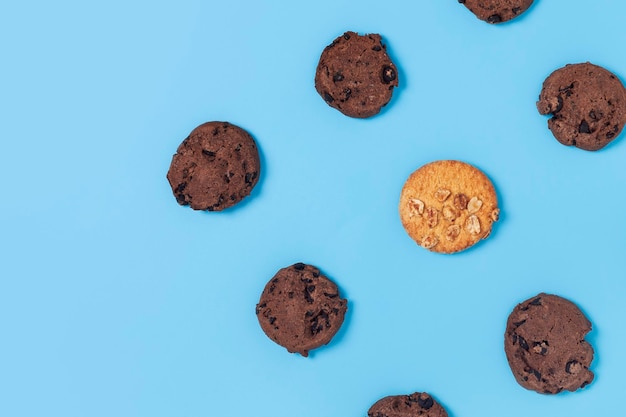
{"x": 355, "y": 75}
{"x": 448, "y": 206}
{"x": 301, "y": 309}
{"x": 497, "y": 11}
{"x": 546, "y": 347}
{"x": 419, "y": 404}
{"x": 587, "y": 104}
{"x": 215, "y": 167}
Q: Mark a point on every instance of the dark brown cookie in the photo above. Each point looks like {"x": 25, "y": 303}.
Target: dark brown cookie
{"x": 355, "y": 75}
{"x": 300, "y": 309}
{"x": 497, "y": 11}
{"x": 215, "y": 167}
{"x": 418, "y": 404}
{"x": 546, "y": 347}
{"x": 587, "y": 104}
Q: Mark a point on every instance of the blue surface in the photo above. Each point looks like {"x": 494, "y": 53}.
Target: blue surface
{"x": 115, "y": 301}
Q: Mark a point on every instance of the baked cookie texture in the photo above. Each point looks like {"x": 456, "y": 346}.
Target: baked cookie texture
{"x": 301, "y": 309}
{"x": 355, "y": 75}
{"x": 447, "y": 206}
{"x": 417, "y": 404}
{"x": 546, "y": 347}
{"x": 497, "y": 11}
{"x": 587, "y": 104}
{"x": 215, "y": 167}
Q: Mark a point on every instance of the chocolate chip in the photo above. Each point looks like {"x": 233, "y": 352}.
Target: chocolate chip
{"x": 307, "y": 296}
{"x": 584, "y": 127}
{"x": 389, "y": 74}
{"x": 337, "y": 77}
{"x": 537, "y": 374}
{"x": 522, "y": 342}
{"x": 250, "y": 176}
{"x": 328, "y": 97}
{"x": 536, "y": 302}
{"x": 331, "y": 295}
{"x": 310, "y": 288}
{"x": 592, "y": 115}
{"x": 519, "y": 323}
{"x": 181, "y": 187}
{"x": 559, "y": 106}
{"x": 272, "y": 320}
{"x": 426, "y": 403}
{"x": 208, "y": 153}
{"x": 568, "y": 366}
{"x": 494, "y": 18}
{"x": 516, "y": 10}
{"x": 299, "y": 266}
{"x": 346, "y": 36}
{"x": 462, "y": 1}
{"x": 377, "y": 48}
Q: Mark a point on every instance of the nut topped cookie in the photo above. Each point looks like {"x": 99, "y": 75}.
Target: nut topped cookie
{"x": 301, "y": 309}
{"x": 215, "y": 167}
{"x": 546, "y": 347}
{"x": 355, "y": 75}
{"x": 418, "y": 404}
{"x": 448, "y": 206}
{"x": 497, "y": 11}
{"x": 587, "y": 104}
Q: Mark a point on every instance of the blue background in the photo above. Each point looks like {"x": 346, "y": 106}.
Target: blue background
{"x": 116, "y": 301}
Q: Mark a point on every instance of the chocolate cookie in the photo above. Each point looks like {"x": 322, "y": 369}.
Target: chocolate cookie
{"x": 448, "y": 206}
{"x": 300, "y": 309}
{"x": 418, "y": 404}
{"x": 587, "y": 104}
{"x": 355, "y": 75}
{"x": 497, "y": 11}
{"x": 215, "y": 167}
{"x": 546, "y": 347}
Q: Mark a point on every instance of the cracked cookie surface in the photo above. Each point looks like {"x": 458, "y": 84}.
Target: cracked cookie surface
{"x": 301, "y": 309}
{"x": 419, "y": 404}
{"x": 355, "y": 75}
{"x": 448, "y": 206}
{"x": 587, "y": 104}
{"x": 215, "y": 167}
{"x": 545, "y": 345}
{"x": 496, "y": 11}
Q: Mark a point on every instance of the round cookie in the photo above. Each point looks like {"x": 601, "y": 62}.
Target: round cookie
{"x": 215, "y": 167}
{"x": 418, "y": 404}
{"x": 300, "y": 309}
{"x": 587, "y": 104}
{"x": 545, "y": 346}
{"x": 448, "y": 206}
{"x": 497, "y": 11}
{"x": 355, "y": 75}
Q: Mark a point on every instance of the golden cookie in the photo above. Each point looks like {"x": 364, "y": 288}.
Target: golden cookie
{"x": 448, "y": 206}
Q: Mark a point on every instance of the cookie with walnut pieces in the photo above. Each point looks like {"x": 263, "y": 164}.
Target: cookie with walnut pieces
{"x": 497, "y": 11}
{"x": 419, "y": 404}
{"x": 301, "y": 309}
{"x": 355, "y": 75}
{"x": 545, "y": 345}
{"x": 448, "y": 206}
